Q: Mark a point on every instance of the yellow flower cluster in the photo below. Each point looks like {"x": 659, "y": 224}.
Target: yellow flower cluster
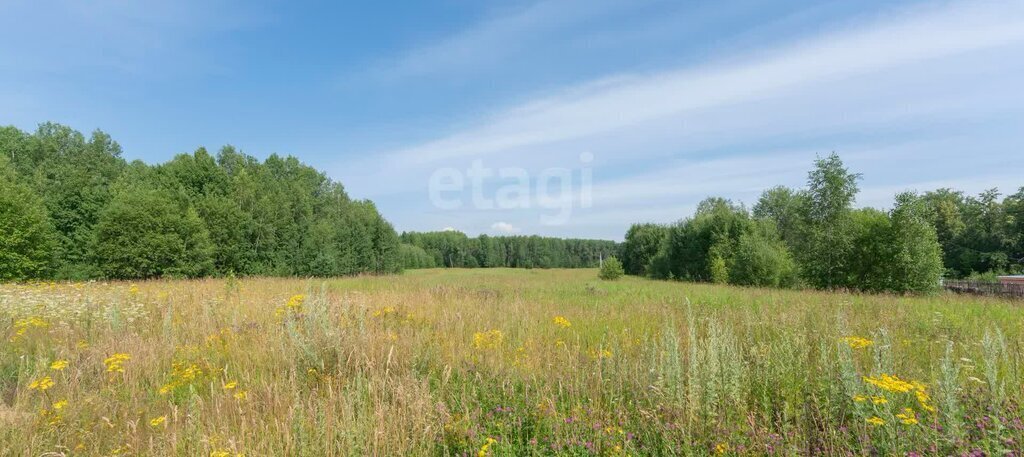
{"x": 21, "y": 326}
{"x": 292, "y": 306}
{"x": 600, "y": 354}
{"x": 485, "y": 449}
{"x": 41, "y": 384}
{"x": 907, "y": 416}
{"x": 856, "y": 342}
{"x": 182, "y": 374}
{"x": 115, "y": 363}
{"x": 59, "y": 365}
{"x": 239, "y": 393}
{"x": 488, "y": 340}
{"x": 892, "y": 383}
{"x": 875, "y": 420}
{"x": 721, "y": 448}
{"x": 384, "y": 312}
{"x": 562, "y": 322}
{"x": 157, "y": 421}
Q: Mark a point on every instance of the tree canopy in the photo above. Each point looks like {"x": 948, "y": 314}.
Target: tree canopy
{"x": 194, "y": 215}
{"x": 815, "y": 236}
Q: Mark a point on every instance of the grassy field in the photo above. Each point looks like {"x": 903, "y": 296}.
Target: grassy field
{"x": 501, "y": 362}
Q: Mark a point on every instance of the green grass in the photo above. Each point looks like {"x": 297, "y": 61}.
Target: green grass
{"x": 447, "y": 362}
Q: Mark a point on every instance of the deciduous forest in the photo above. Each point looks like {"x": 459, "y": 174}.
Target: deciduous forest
{"x": 72, "y": 208}
{"x": 816, "y": 237}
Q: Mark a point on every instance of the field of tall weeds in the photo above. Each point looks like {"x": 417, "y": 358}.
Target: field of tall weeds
{"x": 502, "y": 362}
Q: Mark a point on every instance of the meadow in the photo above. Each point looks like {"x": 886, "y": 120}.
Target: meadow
{"x": 492, "y": 362}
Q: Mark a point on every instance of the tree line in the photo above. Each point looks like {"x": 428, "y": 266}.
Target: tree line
{"x": 455, "y": 249}
{"x": 815, "y": 237}
{"x": 73, "y": 208}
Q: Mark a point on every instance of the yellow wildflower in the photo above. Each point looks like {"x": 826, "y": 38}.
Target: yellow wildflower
{"x": 856, "y": 342}
{"x": 907, "y": 416}
{"x": 561, "y": 322}
{"x": 230, "y": 385}
{"x": 59, "y": 405}
{"x": 292, "y": 306}
{"x": 21, "y": 326}
{"x": 879, "y": 400}
{"x": 157, "y": 421}
{"x": 875, "y": 420}
{"x": 485, "y": 449}
{"x": 241, "y": 395}
{"x": 721, "y": 448}
{"x": 115, "y": 363}
{"x": 923, "y": 398}
{"x": 41, "y": 384}
{"x": 488, "y": 340}
{"x": 859, "y": 398}
{"x": 59, "y": 365}
{"x": 890, "y": 383}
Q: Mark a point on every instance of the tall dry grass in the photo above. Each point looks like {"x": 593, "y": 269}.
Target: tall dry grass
{"x": 501, "y": 362}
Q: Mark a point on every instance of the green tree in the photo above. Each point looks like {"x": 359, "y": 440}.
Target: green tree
{"x": 945, "y": 211}
{"x": 868, "y": 267}
{"x": 1014, "y": 205}
{"x": 784, "y": 207}
{"x": 642, "y": 243}
{"x": 692, "y": 245}
{"x": 27, "y": 240}
{"x": 916, "y": 263}
{"x": 761, "y": 259}
{"x": 611, "y": 270}
{"x": 413, "y": 257}
{"x": 145, "y": 234}
{"x": 74, "y": 178}
{"x": 826, "y": 245}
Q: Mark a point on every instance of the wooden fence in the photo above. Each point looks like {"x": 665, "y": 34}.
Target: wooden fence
{"x": 984, "y": 288}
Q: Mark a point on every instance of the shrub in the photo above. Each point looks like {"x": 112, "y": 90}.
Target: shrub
{"x": 762, "y": 260}
{"x": 611, "y": 270}
{"x": 27, "y": 240}
{"x": 145, "y": 234}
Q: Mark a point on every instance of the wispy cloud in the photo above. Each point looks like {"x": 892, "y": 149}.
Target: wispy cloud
{"x": 907, "y": 38}
{"x": 506, "y": 31}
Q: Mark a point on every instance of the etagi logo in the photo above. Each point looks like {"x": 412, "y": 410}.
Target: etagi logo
{"x": 557, "y": 189}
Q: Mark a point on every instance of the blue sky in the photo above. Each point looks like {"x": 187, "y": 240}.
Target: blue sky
{"x": 648, "y": 105}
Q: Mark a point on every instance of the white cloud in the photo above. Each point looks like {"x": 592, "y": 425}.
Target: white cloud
{"x": 887, "y": 95}
{"x": 504, "y": 227}
{"x": 449, "y": 229}
{"x": 911, "y": 37}
{"x": 489, "y": 42}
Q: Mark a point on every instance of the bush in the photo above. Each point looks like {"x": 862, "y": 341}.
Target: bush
{"x": 27, "y": 240}
{"x": 611, "y": 270}
{"x": 641, "y": 246}
{"x": 144, "y": 234}
{"x": 762, "y": 260}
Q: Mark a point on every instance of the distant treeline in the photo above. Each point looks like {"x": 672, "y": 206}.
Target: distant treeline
{"x": 72, "y": 208}
{"x": 814, "y": 237}
{"x": 455, "y": 249}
